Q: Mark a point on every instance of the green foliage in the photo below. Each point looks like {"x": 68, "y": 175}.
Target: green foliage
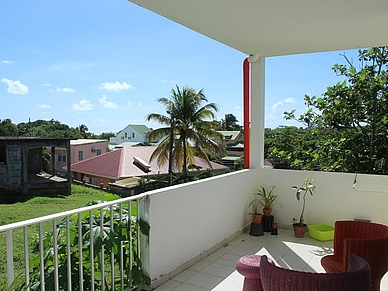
{"x": 189, "y": 128}
{"x": 37, "y": 207}
{"x": 266, "y": 198}
{"x": 349, "y": 121}
{"x": 109, "y": 237}
{"x": 301, "y": 191}
{"x": 7, "y": 128}
{"x": 230, "y": 123}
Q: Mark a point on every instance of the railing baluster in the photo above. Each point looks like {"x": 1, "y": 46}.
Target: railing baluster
{"x": 112, "y": 257}
{"x": 41, "y": 254}
{"x": 26, "y": 259}
{"x": 10, "y": 265}
{"x": 102, "y": 248}
{"x": 122, "y": 265}
{"x": 80, "y": 244}
{"x": 91, "y": 249}
{"x": 68, "y": 251}
{"x": 55, "y": 237}
{"x": 121, "y": 249}
{"x": 130, "y": 242}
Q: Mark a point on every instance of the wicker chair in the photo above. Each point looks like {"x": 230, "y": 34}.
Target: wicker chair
{"x": 365, "y": 239}
{"x": 357, "y": 278}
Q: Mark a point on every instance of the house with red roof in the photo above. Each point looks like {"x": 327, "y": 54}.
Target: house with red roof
{"x": 128, "y": 162}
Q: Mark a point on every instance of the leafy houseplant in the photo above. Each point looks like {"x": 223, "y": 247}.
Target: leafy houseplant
{"x": 301, "y": 192}
{"x": 256, "y": 215}
{"x": 266, "y": 199}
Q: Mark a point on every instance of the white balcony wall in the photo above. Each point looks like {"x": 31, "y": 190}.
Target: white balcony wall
{"x": 187, "y": 220}
{"x": 335, "y": 198}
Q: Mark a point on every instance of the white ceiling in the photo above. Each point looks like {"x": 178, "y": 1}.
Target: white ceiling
{"x": 281, "y": 27}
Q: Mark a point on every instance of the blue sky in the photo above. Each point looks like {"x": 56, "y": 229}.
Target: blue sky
{"x": 104, "y": 64}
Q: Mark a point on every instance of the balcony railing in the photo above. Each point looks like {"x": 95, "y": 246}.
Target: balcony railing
{"x": 92, "y": 248}
{"x": 187, "y": 222}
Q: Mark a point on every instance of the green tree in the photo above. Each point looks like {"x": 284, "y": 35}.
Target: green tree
{"x": 83, "y": 129}
{"x": 289, "y": 147}
{"x": 350, "y": 120}
{"x": 230, "y": 122}
{"x": 7, "y": 128}
{"x": 189, "y": 129}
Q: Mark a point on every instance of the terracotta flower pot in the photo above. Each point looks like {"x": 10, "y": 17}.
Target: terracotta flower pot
{"x": 267, "y": 211}
{"x": 257, "y": 218}
{"x": 299, "y": 229}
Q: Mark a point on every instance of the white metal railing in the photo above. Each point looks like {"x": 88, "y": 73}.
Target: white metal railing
{"x": 84, "y": 249}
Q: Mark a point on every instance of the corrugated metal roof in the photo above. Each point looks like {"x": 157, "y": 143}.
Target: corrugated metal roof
{"x": 120, "y": 163}
{"x": 141, "y": 128}
{"x": 86, "y": 141}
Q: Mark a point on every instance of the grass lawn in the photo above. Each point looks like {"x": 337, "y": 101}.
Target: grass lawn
{"x": 41, "y": 206}
{"x": 37, "y": 207}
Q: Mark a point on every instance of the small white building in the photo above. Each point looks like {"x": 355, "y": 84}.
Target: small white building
{"x": 131, "y": 133}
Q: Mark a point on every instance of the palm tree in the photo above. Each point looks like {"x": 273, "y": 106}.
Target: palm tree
{"x": 189, "y": 129}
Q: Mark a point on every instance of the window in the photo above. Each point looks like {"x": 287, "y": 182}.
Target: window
{"x": 59, "y": 158}
{"x": 3, "y": 154}
{"x": 80, "y": 155}
{"x": 133, "y": 135}
{"x": 94, "y": 180}
{"x": 126, "y": 135}
{"x": 98, "y": 151}
{"x": 64, "y": 158}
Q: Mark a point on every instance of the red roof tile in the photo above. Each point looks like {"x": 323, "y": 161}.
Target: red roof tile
{"x": 120, "y": 163}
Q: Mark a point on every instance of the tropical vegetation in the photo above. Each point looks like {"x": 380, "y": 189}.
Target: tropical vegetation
{"x": 189, "y": 129}
{"x": 346, "y": 129}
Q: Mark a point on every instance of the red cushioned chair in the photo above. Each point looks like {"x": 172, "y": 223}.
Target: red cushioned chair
{"x": 365, "y": 239}
{"x": 356, "y": 278}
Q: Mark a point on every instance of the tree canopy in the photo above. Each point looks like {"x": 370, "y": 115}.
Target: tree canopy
{"x": 346, "y": 127}
{"x": 47, "y": 128}
{"x": 189, "y": 129}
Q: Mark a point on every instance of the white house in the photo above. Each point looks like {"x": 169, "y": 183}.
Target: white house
{"x": 131, "y": 133}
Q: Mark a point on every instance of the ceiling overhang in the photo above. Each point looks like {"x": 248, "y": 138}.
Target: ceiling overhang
{"x": 281, "y": 27}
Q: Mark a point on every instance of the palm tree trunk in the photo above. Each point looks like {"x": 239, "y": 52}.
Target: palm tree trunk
{"x": 184, "y": 170}
{"x": 170, "y": 153}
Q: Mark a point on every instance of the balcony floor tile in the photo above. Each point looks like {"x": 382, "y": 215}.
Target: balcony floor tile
{"x": 217, "y": 272}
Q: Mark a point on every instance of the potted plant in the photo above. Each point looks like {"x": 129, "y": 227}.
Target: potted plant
{"x": 256, "y": 215}
{"x": 267, "y": 199}
{"x": 302, "y": 191}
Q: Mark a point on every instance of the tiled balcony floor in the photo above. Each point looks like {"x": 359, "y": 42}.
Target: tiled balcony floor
{"x": 217, "y": 271}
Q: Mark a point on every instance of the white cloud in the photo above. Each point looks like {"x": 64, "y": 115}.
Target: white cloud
{"x": 65, "y": 90}
{"x": 15, "y": 87}
{"x": 107, "y": 104}
{"x": 101, "y": 120}
{"x": 45, "y": 85}
{"x": 83, "y": 105}
{"x": 114, "y": 86}
{"x": 69, "y": 66}
{"x": 134, "y": 104}
{"x": 276, "y": 105}
{"x": 164, "y": 81}
{"x": 43, "y": 106}
{"x": 289, "y": 100}
{"x": 5, "y": 62}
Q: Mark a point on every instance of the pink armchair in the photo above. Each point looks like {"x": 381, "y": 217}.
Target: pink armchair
{"x": 356, "y": 278}
{"x": 365, "y": 239}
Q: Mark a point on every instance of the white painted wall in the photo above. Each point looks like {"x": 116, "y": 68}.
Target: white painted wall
{"x": 188, "y": 219}
{"x": 335, "y": 198}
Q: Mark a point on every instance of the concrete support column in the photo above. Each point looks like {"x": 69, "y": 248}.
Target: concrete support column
{"x": 53, "y": 160}
{"x": 68, "y": 163}
{"x": 24, "y": 168}
{"x": 257, "y": 111}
